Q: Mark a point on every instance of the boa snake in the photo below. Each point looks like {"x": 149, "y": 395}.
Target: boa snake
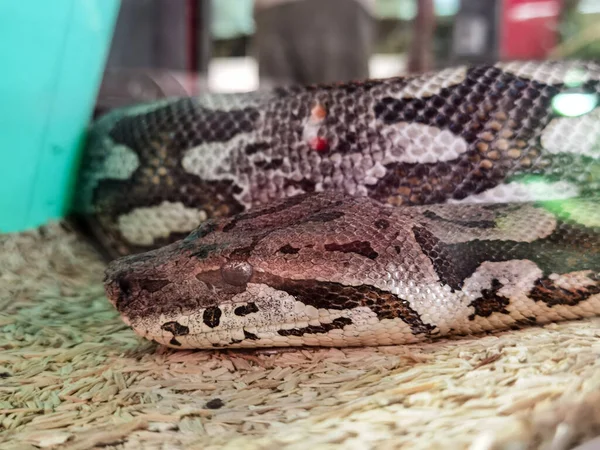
{"x": 364, "y": 213}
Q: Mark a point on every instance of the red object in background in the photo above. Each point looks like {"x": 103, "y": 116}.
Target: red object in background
{"x": 529, "y": 28}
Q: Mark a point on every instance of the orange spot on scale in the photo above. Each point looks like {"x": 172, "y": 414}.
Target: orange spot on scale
{"x": 319, "y": 144}
{"x": 318, "y": 112}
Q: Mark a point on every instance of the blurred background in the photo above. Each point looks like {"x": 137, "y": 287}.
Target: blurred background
{"x": 243, "y": 45}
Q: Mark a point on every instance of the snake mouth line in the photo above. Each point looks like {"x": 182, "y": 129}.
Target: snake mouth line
{"x": 337, "y": 333}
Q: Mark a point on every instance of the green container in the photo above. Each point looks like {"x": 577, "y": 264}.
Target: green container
{"x": 52, "y": 59}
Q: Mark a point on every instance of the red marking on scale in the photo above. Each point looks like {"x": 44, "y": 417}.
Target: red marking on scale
{"x": 319, "y": 144}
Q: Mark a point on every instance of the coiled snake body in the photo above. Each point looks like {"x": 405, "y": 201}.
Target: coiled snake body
{"x": 381, "y": 212}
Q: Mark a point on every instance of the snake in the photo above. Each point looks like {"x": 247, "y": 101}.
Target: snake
{"x": 379, "y": 212}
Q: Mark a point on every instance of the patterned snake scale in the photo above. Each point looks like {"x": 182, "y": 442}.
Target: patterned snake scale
{"x": 365, "y": 213}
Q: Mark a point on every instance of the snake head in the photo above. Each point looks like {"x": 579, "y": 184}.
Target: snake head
{"x": 273, "y": 276}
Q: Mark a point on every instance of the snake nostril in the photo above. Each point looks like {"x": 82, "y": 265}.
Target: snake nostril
{"x": 236, "y": 273}
{"x": 125, "y": 286}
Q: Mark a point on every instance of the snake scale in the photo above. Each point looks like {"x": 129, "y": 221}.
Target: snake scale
{"x": 364, "y": 213}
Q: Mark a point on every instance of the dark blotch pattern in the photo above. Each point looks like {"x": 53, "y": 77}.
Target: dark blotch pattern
{"x": 175, "y": 328}
{"x": 526, "y": 322}
{"x": 174, "y": 341}
{"x": 440, "y": 255}
{"x": 362, "y": 248}
{"x": 257, "y": 147}
{"x": 493, "y": 111}
{"x": 281, "y": 206}
{"x": 244, "y": 252}
{"x": 331, "y": 295}
{"x": 125, "y": 288}
{"x": 338, "y": 323}
{"x": 287, "y": 249}
{"x": 212, "y": 316}
{"x": 382, "y": 224}
{"x": 325, "y": 216}
{"x": 490, "y": 302}
{"x": 569, "y": 248}
{"x": 305, "y": 184}
{"x": 546, "y": 291}
{"x": 244, "y": 310}
{"x": 203, "y": 230}
{"x": 187, "y": 121}
{"x": 250, "y": 336}
{"x": 159, "y": 138}
{"x": 465, "y": 223}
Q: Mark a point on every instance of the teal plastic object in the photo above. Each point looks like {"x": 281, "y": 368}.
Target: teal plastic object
{"x": 52, "y": 56}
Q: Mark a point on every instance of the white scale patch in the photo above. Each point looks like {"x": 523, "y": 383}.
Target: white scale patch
{"x": 216, "y": 160}
{"x": 572, "y": 73}
{"x": 579, "y": 135}
{"x": 525, "y": 224}
{"x": 450, "y": 311}
{"x": 518, "y": 278}
{"x": 143, "y": 226}
{"x": 584, "y": 211}
{"x": 406, "y": 142}
{"x": 117, "y": 162}
{"x": 430, "y": 84}
{"x": 418, "y": 143}
{"x": 120, "y": 163}
{"x": 523, "y": 192}
{"x": 230, "y": 102}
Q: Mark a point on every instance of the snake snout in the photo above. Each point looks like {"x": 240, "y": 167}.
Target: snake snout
{"x": 119, "y": 287}
{"x": 127, "y": 282}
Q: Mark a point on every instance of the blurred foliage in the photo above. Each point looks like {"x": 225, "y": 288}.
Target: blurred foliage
{"x": 579, "y": 33}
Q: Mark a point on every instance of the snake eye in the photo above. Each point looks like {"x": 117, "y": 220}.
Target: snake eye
{"x": 236, "y": 273}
